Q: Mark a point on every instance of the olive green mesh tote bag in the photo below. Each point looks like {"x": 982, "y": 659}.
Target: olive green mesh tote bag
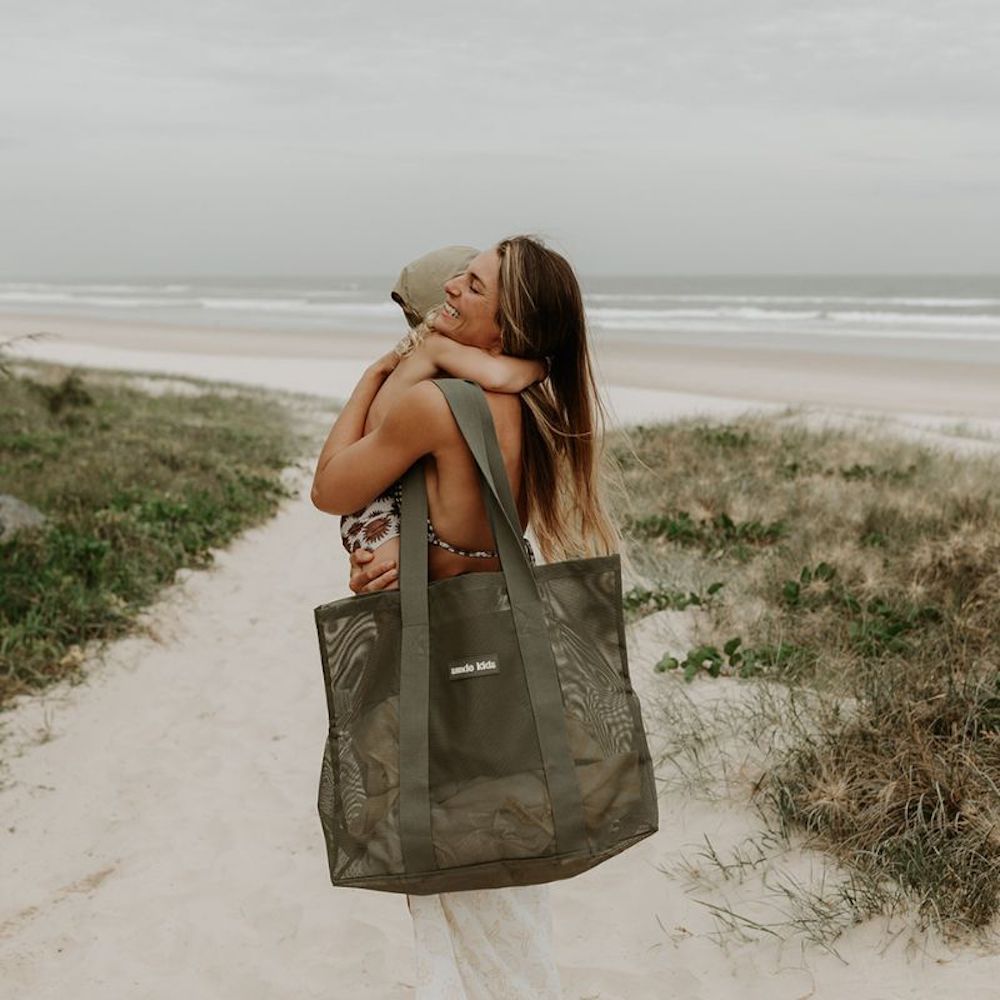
{"x": 483, "y": 729}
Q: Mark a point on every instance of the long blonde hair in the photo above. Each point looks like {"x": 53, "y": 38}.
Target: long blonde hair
{"x": 567, "y": 476}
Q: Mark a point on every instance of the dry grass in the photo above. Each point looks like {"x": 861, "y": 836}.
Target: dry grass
{"x": 879, "y": 595}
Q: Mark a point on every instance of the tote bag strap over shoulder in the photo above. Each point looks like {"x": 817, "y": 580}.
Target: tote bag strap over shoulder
{"x": 475, "y": 421}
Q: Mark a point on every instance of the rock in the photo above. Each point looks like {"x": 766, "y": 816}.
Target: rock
{"x": 16, "y": 514}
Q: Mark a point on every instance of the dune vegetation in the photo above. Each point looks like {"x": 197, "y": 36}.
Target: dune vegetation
{"x": 133, "y": 485}
{"x": 858, "y": 576}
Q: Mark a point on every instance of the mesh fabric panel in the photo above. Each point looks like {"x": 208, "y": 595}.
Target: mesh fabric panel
{"x": 489, "y": 799}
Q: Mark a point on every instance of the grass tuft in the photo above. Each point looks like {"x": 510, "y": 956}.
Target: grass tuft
{"x": 879, "y": 597}
{"x": 133, "y": 487}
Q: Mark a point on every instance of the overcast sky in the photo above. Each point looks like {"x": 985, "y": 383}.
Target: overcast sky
{"x": 648, "y": 136}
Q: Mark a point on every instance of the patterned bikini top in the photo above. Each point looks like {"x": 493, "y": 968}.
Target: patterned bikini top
{"x": 379, "y": 521}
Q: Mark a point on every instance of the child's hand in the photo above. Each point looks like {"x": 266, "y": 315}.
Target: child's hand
{"x": 542, "y": 370}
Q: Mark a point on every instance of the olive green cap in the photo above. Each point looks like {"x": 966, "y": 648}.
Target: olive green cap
{"x": 421, "y": 283}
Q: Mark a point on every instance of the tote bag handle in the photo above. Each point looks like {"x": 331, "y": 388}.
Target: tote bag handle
{"x": 475, "y": 422}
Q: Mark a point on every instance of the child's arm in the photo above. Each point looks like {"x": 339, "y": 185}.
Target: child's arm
{"x": 494, "y": 372}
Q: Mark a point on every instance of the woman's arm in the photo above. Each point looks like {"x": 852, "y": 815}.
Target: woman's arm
{"x": 349, "y": 426}
{"x": 494, "y": 372}
{"x": 413, "y": 368}
{"x": 354, "y": 469}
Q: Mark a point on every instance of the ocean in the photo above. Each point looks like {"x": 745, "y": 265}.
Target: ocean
{"x": 921, "y": 316}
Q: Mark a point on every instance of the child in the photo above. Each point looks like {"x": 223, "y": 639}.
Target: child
{"x": 371, "y": 534}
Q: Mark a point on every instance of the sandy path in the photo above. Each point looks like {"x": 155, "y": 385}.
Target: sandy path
{"x": 160, "y": 837}
{"x": 164, "y": 842}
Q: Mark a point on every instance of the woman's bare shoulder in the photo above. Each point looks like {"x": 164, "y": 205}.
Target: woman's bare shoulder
{"x": 504, "y": 406}
{"x": 506, "y": 410}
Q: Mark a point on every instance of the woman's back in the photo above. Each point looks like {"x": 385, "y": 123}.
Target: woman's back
{"x": 454, "y": 497}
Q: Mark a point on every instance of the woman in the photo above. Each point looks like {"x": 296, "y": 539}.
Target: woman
{"x": 522, "y": 300}
{"x": 374, "y": 528}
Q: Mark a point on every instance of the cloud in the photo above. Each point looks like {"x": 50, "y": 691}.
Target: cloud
{"x": 562, "y": 112}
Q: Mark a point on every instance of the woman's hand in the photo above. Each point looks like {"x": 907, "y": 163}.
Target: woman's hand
{"x": 382, "y": 366}
{"x": 367, "y": 578}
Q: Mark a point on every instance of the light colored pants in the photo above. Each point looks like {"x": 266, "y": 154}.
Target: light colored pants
{"x": 485, "y": 944}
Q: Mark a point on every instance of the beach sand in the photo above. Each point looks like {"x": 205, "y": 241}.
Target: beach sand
{"x": 160, "y": 837}
{"x": 706, "y": 379}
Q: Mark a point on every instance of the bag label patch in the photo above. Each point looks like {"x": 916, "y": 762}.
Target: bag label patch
{"x": 473, "y": 666}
